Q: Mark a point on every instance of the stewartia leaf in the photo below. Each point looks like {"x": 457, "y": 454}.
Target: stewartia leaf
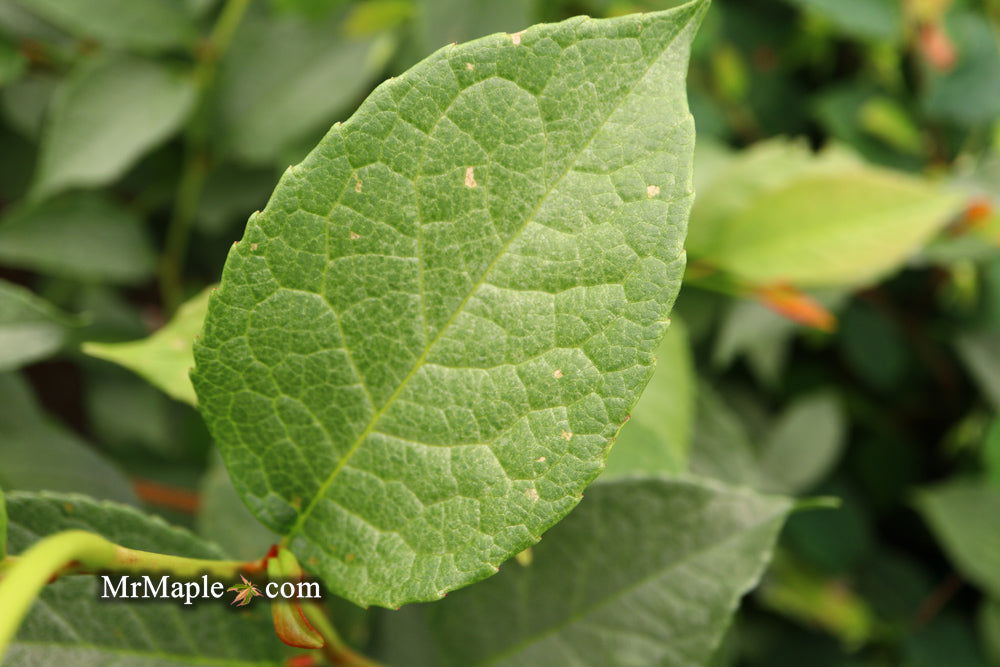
{"x": 422, "y": 347}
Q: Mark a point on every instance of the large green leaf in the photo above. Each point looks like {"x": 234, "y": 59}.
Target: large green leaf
{"x": 269, "y": 81}
{"x": 164, "y": 358}
{"x": 80, "y": 236}
{"x": 39, "y": 454}
{"x": 106, "y": 115}
{"x": 148, "y": 25}
{"x": 657, "y": 437}
{"x": 68, "y": 625}
{"x": 423, "y": 346}
{"x": 30, "y": 327}
{"x": 646, "y": 572}
{"x": 963, "y": 516}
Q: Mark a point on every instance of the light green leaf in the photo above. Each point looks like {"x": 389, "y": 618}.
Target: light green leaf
{"x": 164, "y": 358}
{"x": 803, "y": 445}
{"x": 146, "y": 25}
{"x": 269, "y": 81}
{"x": 81, "y": 236}
{"x": 68, "y": 625}
{"x": 38, "y": 453}
{"x": 423, "y": 346}
{"x": 225, "y": 520}
{"x": 646, "y": 572}
{"x": 105, "y": 117}
{"x": 441, "y": 22}
{"x": 778, "y": 215}
{"x": 963, "y": 516}
{"x": 30, "y": 327}
{"x": 657, "y": 437}
{"x": 980, "y": 350}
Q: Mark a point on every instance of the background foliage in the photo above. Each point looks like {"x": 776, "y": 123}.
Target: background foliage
{"x": 838, "y": 327}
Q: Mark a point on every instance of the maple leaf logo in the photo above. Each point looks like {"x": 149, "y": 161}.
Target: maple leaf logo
{"x": 245, "y": 592}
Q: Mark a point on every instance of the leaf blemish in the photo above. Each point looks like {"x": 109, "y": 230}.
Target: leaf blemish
{"x": 470, "y": 66}
{"x": 253, "y": 246}
{"x": 357, "y": 185}
{"x": 516, "y": 37}
{"x": 470, "y": 177}
{"x": 354, "y": 236}
{"x": 532, "y": 494}
{"x": 566, "y": 435}
{"x": 540, "y": 459}
{"x": 557, "y": 373}
{"x": 652, "y": 191}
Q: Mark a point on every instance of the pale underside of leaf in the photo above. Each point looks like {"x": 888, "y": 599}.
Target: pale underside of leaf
{"x": 422, "y": 347}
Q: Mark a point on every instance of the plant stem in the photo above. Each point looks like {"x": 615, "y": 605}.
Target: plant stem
{"x": 195, "y": 169}
{"x": 78, "y": 551}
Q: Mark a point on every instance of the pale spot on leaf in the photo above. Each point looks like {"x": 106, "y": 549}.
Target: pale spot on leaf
{"x": 532, "y": 494}
{"x": 557, "y": 373}
{"x": 357, "y": 185}
{"x": 652, "y": 190}
{"x": 566, "y": 435}
{"x": 516, "y": 37}
{"x": 470, "y": 66}
{"x": 470, "y": 177}
{"x": 540, "y": 459}
{"x": 355, "y": 236}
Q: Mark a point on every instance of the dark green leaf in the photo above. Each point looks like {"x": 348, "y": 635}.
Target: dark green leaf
{"x": 422, "y": 347}
{"x": 69, "y": 626}
{"x": 39, "y": 454}
{"x": 105, "y": 117}
{"x": 30, "y": 327}
{"x": 646, "y": 572}
{"x": 79, "y": 236}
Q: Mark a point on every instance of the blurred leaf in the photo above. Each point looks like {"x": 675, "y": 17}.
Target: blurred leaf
{"x": 146, "y": 25}
{"x": 69, "y": 625}
{"x": 12, "y": 62}
{"x": 803, "y": 445}
{"x": 673, "y": 558}
{"x": 873, "y": 346}
{"x": 793, "y": 590}
{"x": 968, "y": 94}
{"x": 442, "y": 22}
{"x": 980, "y": 350}
{"x": 230, "y": 195}
{"x": 226, "y": 521}
{"x": 129, "y": 416}
{"x": 269, "y": 82}
{"x": 312, "y": 9}
{"x": 164, "y": 358}
{"x": 947, "y": 640}
{"x": 894, "y": 585}
{"x": 991, "y": 452}
{"x": 3, "y": 525}
{"x": 865, "y": 19}
{"x": 963, "y": 516}
{"x": 657, "y": 437}
{"x": 813, "y": 222}
{"x": 105, "y": 117}
{"x": 720, "y": 447}
{"x": 30, "y": 327}
{"x": 373, "y": 16}
{"x": 834, "y": 541}
{"x": 989, "y": 628}
{"x": 761, "y": 335}
{"x": 81, "y": 236}
{"x": 884, "y": 118}
{"x": 26, "y": 101}
{"x": 39, "y": 454}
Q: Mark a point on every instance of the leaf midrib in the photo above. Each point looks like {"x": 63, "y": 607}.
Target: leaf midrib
{"x": 418, "y": 364}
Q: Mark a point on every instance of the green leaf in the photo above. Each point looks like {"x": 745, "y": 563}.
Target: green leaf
{"x": 106, "y": 115}
{"x": 962, "y": 516}
{"x": 646, "y": 572}
{"x": 866, "y": 19}
{"x": 423, "y": 346}
{"x": 30, "y": 327}
{"x": 657, "y": 437}
{"x": 82, "y": 236}
{"x": 803, "y": 445}
{"x": 40, "y": 454}
{"x": 968, "y": 93}
{"x": 980, "y": 350}
{"x": 68, "y": 625}
{"x": 721, "y": 448}
{"x": 780, "y": 215}
{"x": 225, "y": 520}
{"x": 989, "y": 627}
{"x": 26, "y": 101}
{"x": 269, "y": 80}
{"x": 3, "y": 525}
{"x": 12, "y": 62}
{"x": 145, "y": 25}
{"x": 165, "y": 358}
{"x": 441, "y": 22}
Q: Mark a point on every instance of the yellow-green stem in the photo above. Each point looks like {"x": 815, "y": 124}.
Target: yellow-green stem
{"x": 79, "y": 551}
